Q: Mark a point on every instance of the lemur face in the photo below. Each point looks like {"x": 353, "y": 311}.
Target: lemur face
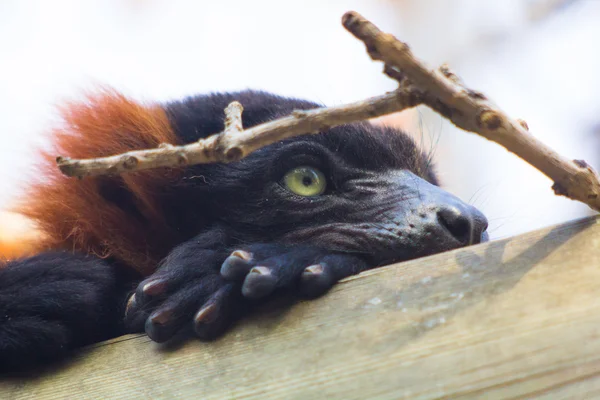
{"x": 359, "y": 189}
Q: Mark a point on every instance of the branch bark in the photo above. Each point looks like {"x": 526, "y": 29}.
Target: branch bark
{"x": 470, "y": 110}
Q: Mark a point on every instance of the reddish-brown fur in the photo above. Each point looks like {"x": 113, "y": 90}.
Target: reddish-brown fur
{"x": 73, "y": 214}
{"x": 18, "y": 237}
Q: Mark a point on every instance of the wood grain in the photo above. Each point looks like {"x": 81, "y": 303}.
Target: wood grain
{"x": 512, "y": 319}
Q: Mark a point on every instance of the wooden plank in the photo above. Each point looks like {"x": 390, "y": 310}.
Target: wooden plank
{"x": 514, "y": 318}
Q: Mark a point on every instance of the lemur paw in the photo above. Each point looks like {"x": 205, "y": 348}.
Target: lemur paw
{"x": 167, "y": 302}
{"x": 198, "y": 290}
{"x": 310, "y": 271}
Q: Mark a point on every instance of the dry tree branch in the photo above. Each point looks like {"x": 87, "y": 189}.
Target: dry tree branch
{"x": 233, "y": 118}
{"x": 472, "y": 111}
{"x": 440, "y": 89}
{"x": 234, "y": 143}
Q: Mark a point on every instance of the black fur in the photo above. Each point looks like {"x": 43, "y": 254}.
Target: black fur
{"x": 247, "y": 236}
{"x": 53, "y": 302}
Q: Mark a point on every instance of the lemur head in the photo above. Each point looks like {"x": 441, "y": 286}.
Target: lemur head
{"x": 357, "y": 188}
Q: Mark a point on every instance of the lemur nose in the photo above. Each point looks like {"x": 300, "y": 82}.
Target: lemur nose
{"x": 464, "y": 223}
{"x": 436, "y": 220}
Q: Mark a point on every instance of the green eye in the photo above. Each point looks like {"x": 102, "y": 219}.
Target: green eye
{"x": 305, "y": 181}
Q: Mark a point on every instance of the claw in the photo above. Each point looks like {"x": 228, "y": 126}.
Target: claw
{"x": 244, "y": 255}
{"x": 130, "y": 303}
{"x": 154, "y": 287}
{"x": 215, "y": 315}
{"x": 315, "y": 269}
{"x": 260, "y": 271}
{"x": 161, "y": 317}
{"x": 159, "y": 326}
{"x": 259, "y": 283}
{"x": 314, "y": 281}
{"x": 236, "y": 266}
{"x": 206, "y": 315}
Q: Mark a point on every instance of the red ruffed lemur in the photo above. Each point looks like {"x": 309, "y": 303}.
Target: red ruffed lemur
{"x": 192, "y": 249}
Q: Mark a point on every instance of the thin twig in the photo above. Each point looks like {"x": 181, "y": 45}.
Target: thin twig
{"x": 233, "y": 118}
{"x": 470, "y": 110}
{"x": 234, "y": 143}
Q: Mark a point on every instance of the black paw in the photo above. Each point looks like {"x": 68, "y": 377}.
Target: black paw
{"x": 261, "y": 269}
{"x": 207, "y": 290}
{"x": 184, "y": 293}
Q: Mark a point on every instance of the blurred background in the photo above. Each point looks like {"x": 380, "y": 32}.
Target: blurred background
{"x": 535, "y": 58}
